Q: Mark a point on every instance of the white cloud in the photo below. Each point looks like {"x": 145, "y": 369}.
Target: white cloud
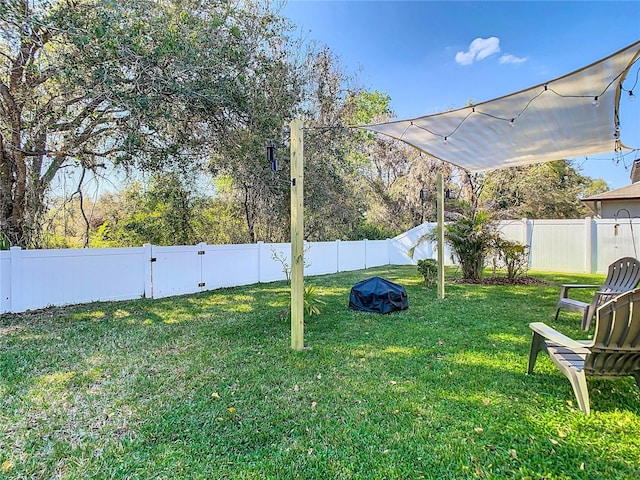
{"x": 479, "y": 49}
{"x": 508, "y": 58}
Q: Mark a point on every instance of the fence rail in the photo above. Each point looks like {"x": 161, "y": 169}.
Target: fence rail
{"x": 33, "y": 279}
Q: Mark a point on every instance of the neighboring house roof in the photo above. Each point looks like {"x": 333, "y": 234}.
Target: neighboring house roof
{"x": 629, "y": 192}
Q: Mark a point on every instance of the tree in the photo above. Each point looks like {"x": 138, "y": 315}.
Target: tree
{"x": 273, "y": 98}
{"x": 546, "y": 190}
{"x": 316, "y": 94}
{"x": 335, "y": 203}
{"x": 92, "y": 84}
{"x": 394, "y": 174}
{"x": 162, "y": 213}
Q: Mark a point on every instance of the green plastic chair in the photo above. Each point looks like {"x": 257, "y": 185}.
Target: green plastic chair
{"x": 613, "y": 352}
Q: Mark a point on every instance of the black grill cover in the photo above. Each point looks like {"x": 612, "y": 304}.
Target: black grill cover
{"x": 378, "y": 295}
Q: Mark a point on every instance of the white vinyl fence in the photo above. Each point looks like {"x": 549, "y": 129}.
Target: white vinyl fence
{"x": 32, "y": 279}
{"x": 580, "y": 246}
{"x": 573, "y": 246}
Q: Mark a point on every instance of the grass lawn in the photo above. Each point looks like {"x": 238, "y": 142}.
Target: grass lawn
{"x": 206, "y": 386}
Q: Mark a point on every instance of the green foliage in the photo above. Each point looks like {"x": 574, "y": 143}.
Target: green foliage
{"x": 368, "y": 231}
{"x": 102, "y": 237}
{"x": 312, "y": 301}
{"x": 4, "y": 242}
{"x": 547, "y": 190}
{"x": 176, "y": 387}
{"x": 471, "y": 233}
{"x": 54, "y": 240}
{"x": 428, "y": 268}
{"x": 182, "y": 85}
{"x": 368, "y": 107}
{"x": 169, "y": 211}
{"x": 513, "y": 256}
{"x": 145, "y": 84}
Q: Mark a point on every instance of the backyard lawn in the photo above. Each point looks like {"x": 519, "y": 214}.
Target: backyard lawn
{"x": 206, "y": 386}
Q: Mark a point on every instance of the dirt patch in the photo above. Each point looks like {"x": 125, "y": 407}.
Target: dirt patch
{"x": 502, "y": 281}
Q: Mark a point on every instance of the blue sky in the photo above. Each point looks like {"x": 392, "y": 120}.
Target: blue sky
{"x": 434, "y": 56}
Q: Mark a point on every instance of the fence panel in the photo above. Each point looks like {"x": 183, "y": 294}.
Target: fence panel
{"x": 321, "y": 258}
{"x": 412, "y": 240}
{"x": 31, "y": 279}
{"x": 65, "y": 277}
{"x": 271, "y": 270}
{"x": 558, "y": 245}
{"x": 514, "y": 230}
{"x": 615, "y": 239}
{"x": 176, "y": 270}
{"x": 351, "y": 256}
{"x": 377, "y": 252}
{"x": 230, "y": 265}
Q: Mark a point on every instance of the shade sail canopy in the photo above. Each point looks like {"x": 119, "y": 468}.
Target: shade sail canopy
{"x": 571, "y": 116}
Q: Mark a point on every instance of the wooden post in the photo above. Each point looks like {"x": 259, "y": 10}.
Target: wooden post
{"x": 440, "y": 214}
{"x": 297, "y": 237}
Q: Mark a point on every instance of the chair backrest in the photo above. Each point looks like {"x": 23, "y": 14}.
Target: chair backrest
{"x": 615, "y": 350}
{"x": 623, "y": 275}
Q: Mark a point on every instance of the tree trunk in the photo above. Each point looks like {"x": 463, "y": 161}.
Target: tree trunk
{"x": 249, "y": 215}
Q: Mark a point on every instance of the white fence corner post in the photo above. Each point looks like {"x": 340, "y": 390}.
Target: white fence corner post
{"x": 365, "y": 253}
{"x": 147, "y": 258}
{"x": 527, "y": 233}
{"x": 338, "y": 256}
{"x": 590, "y": 245}
{"x": 16, "y": 301}
{"x": 260, "y": 248}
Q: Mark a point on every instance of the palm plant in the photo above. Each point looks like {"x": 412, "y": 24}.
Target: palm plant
{"x": 471, "y": 232}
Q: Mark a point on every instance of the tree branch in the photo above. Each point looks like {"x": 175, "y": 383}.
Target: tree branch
{"x": 87, "y": 110}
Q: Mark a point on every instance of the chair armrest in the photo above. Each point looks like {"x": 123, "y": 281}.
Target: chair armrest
{"x": 611, "y": 294}
{"x": 549, "y": 333}
{"x": 565, "y": 288}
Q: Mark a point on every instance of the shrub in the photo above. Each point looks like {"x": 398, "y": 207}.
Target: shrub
{"x": 428, "y": 268}
{"x": 513, "y": 256}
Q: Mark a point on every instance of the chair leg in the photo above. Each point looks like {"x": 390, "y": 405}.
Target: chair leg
{"x": 586, "y": 320}
{"x": 557, "y": 313}
{"x": 587, "y": 316}
{"x": 579, "y": 383}
{"x": 537, "y": 344}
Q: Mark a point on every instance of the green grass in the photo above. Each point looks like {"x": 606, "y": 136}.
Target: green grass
{"x": 206, "y": 386}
